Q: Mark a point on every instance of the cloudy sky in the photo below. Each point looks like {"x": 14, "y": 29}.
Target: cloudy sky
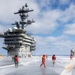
{"x": 54, "y": 27}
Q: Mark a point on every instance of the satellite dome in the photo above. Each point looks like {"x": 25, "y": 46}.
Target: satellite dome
{"x": 10, "y": 29}
{"x": 15, "y": 28}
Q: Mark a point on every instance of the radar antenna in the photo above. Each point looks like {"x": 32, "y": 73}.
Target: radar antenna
{"x": 23, "y": 13}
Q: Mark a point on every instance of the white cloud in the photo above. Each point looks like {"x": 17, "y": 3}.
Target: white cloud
{"x": 56, "y": 45}
{"x": 44, "y": 3}
{"x": 45, "y": 24}
{"x": 70, "y": 29}
{"x": 62, "y": 2}
{"x": 68, "y": 14}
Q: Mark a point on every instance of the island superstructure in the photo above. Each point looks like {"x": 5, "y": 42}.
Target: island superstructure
{"x": 16, "y": 39}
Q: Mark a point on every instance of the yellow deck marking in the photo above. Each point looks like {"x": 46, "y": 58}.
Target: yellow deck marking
{"x": 68, "y": 69}
{"x": 69, "y": 66}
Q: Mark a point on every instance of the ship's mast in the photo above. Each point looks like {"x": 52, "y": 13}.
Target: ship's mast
{"x": 23, "y": 13}
{"x": 15, "y": 39}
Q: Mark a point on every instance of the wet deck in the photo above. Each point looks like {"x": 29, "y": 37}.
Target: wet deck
{"x": 34, "y": 69}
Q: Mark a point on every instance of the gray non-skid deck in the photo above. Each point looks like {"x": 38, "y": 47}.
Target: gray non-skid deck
{"x": 34, "y": 68}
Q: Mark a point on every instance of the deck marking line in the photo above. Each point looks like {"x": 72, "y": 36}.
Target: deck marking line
{"x": 68, "y": 69}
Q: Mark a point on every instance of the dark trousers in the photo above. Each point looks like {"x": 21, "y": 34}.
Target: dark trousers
{"x": 16, "y": 64}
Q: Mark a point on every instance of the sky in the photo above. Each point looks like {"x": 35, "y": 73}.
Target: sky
{"x": 54, "y": 27}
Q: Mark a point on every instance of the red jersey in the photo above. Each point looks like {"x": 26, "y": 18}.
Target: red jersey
{"x": 70, "y": 56}
{"x": 16, "y": 59}
{"x": 43, "y": 59}
{"x": 53, "y": 57}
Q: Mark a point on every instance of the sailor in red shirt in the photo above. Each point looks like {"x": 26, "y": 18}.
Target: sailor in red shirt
{"x": 71, "y": 56}
{"x": 43, "y": 61}
{"x": 16, "y": 61}
{"x": 54, "y": 58}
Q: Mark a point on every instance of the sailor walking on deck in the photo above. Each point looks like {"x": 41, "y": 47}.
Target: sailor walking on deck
{"x": 16, "y": 61}
{"x": 43, "y": 61}
{"x": 54, "y": 59}
{"x": 71, "y": 56}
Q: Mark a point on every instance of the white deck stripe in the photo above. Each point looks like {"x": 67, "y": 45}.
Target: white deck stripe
{"x": 68, "y": 69}
{"x": 6, "y": 66}
{"x": 24, "y": 64}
